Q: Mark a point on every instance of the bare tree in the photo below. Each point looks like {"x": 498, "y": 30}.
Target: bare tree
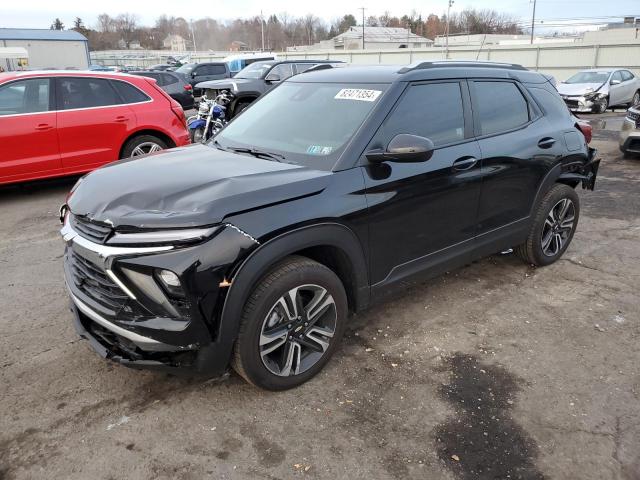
{"x": 105, "y": 23}
{"x": 126, "y": 26}
{"x": 310, "y": 22}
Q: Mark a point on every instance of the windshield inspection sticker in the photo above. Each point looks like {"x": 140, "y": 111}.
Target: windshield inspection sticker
{"x": 358, "y": 94}
{"x": 319, "y": 150}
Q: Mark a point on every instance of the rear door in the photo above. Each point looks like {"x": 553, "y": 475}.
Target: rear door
{"x": 617, "y": 94}
{"x": 209, "y": 71}
{"x": 28, "y": 138}
{"x": 518, "y": 147}
{"x": 93, "y": 121}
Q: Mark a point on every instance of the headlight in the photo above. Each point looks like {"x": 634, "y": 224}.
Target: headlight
{"x": 162, "y": 237}
{"x": 591, "y": 95}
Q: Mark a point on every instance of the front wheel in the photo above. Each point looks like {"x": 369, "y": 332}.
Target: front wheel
{"x": 291, "y": 324}
{"x": 196, "y": 134}
{"x": 601, "y": 105}
{"x": 636, "y": 99}
{"x": 554, "y": 224}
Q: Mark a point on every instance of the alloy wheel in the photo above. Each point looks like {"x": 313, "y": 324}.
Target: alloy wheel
{"x": 145, "y": 148}
{"x": 298, "y": 330}
{"x": 636, "y": 99}
{"x": 558, "y": 227}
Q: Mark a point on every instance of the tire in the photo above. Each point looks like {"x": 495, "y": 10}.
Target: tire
{"x": 196, "y": 134}
{"x": 535, "y": 250}
{"x": 636, "y": 99}
{"x": 601, "y": 106}
{"x": 142, "y": 145}
{"x": 242, "y": 106}
{"x": 270, "y": 331}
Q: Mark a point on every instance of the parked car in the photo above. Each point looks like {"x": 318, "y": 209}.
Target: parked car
{"x": 93, "y": 118}
{"x": 337, "y": 189}
{"x": 174, "y": 84}
{"x": 100, "y": 68}
{"x": 202, "y": 72}
{"x": 595, "y": 90}
{"x": 630, "y": 134}
{"x": 257, "y": 79}
{"x": 162, "y": 67}
{"x": 239, "y": 61}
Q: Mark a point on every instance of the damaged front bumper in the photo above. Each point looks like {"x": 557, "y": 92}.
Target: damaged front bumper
{"x": 121, "y": 307}
{"x": 580, "y": 104}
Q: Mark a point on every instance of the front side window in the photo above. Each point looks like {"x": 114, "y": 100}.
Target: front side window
{"x": 85, "y": 93}
{"x": 282, "y": 71}
{"x": 320, "y": 120}
{"x": 186, "y": 69}
{"x": 433, "y": 110}
{"x": 255, "y": 70}
{"x": 24, "y": 96}
{"x": 500, "y": 107}
{"x": 617, "y": 76}
{"x": 627, "y": 75}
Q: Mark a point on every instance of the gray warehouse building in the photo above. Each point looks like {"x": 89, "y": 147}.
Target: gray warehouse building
{"x": 61, "y": 49}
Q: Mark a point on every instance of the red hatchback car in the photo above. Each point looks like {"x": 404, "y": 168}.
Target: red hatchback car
{"x": 63, "y": 123}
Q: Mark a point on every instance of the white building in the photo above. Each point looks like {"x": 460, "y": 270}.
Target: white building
{"x": 61, "y": 49}
{"x": 375, "y": 38}
{"x": 175, "y": 43}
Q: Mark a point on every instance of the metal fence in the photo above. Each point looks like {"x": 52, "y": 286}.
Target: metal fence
{"x": 561, "y": 61}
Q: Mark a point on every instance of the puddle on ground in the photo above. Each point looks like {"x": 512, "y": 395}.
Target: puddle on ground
{"x": 482, "y": 441}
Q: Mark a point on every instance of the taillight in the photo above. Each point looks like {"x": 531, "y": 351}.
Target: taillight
{"x": 177, "y": 110}
{"x": 188, "y": 87}
{"x": 586, "y": 129}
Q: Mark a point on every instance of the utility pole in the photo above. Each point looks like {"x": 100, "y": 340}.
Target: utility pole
{"x": 363, "y": 9}
{"x": 533, "y": 20}
{"x": 193, "y": 36}
{"x": 262, "y": 28}
{"x": 446, "y": 48}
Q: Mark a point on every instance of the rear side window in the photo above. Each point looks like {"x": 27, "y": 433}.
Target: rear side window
{"x": 551, "y": 103}
{"x": 168, "y": 79}
{"x": 434, "y": 111}
{"x": 627, "y": 75}
{"x": 85, "y": 93}
{"x": 500, "y": 107}
{"x": 24, "y": 96}
{"x": 129, "y": 93}
{"x": 211, "y": 70}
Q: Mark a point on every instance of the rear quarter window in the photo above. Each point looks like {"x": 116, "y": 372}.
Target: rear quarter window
{"x": 500, "y": 105}
{"x": 552, "y": 105}
{"x": 129, "y": 93}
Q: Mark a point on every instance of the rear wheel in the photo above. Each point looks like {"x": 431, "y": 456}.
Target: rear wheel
{"x": 291, "y": 325}
{"x": 142, "y": 145}
{"x": 554, "y": 224}
{"x": 636, "y": 99}
{"x": 196, "y": 134}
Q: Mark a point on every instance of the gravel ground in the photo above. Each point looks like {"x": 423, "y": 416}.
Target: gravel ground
{"x": 497, "y": 370}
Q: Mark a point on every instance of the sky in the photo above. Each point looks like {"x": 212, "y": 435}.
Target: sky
{"x": 41, "y": 13}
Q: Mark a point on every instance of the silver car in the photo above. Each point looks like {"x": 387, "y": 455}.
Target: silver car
{"x": 630, "y": 134}
{"x": 597, "y": 89}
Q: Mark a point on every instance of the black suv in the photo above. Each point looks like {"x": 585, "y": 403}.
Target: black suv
{"x": 253, "y": 249}
{"x": 195, "y": 73}
{"x": 257, "y": 79}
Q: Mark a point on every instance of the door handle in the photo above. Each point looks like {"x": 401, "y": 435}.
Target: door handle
{"x": 464, "y": 163}
{"x": 44, "y": 126}
{"x": 122, "y": 118}
{"x": 546, "y": 142}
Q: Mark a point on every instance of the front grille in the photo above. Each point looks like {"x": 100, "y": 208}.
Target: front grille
{"x": 94, "y": 231}
{"x": 95, "y": 284}
{"x": 634, "y": 117}
{"x": 571, "y": 103}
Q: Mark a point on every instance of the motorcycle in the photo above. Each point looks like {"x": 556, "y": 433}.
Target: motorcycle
{"x": 211, "y": 117}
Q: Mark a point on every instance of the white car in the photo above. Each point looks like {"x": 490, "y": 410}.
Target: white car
{"x": 597, "y": 89}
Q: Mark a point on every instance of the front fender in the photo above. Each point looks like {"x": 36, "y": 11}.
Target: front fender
{"x": 198, "y": 123}
{"x": 246, "y": 275}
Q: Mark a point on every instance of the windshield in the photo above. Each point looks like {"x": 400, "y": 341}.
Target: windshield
{"x": 255, "y": 70}
{"x": 187, "y": 69}
{"x": 588, "y": 77}
{"x": 307, "y": 123}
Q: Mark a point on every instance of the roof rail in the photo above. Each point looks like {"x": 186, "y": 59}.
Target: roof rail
{"x": 459, "y": 63}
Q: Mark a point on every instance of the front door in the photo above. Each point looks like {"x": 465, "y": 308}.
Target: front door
{"x": 423, "y": 215}
{"x": 28, "y": 138}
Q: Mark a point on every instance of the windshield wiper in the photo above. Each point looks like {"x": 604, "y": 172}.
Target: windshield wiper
{"x": 258, "y": 153}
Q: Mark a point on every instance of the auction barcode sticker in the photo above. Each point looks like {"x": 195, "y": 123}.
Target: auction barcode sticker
{"x": 358, "y": 94}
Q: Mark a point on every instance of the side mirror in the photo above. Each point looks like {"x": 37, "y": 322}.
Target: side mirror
{"x": 615, "y": 82}
{"x": 404, "y": 148}
{"x": 272, "y": 78}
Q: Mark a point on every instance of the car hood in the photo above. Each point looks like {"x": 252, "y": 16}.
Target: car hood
{"x": 233, "y": 84}
{"x": 189, "y": 186}
{"x": 577, "y": 88}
